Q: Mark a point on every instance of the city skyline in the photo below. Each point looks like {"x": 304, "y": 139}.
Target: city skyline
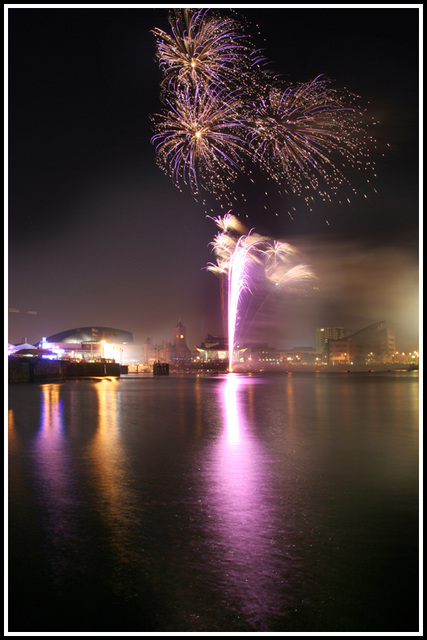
{"x": 97, "y": 233}
{"x": 113, "y": 342}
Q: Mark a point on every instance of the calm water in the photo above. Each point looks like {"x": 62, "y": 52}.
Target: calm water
{"x": 225, "y": 503}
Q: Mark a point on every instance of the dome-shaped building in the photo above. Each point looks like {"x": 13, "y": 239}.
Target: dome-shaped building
{"x": 90, "y": 343}
{"x": 92, "y": 334}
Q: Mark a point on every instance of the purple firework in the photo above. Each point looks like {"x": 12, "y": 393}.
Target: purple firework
{"x": 307, "y": 133}
{"x": 202, "y": 48}
{"x": 200, "y": 139}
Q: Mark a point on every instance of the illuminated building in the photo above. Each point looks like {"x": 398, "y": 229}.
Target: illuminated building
{"x": 182, "y": 352}
{"x": 324, "y": 334}
{"x": 300, "y": 355}
{"x": 92, "y": 343}
{"x": 375, "y": 343}
{"x": 341, "y": 352}
{"x": 213, "y": 348}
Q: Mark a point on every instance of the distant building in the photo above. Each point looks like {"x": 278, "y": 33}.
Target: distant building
{"x": 300, "y": 355}
{"x": 85, "y": 335}
{"x": 324, "y": 334}
{"x": 151, "y": 353}
{"x": 258, "y": 355}
{"x": 213, "y": 348}
{"x": 182, "y": 352}
{"x": 341, "y": 352}
{"x": 176, "y": 353}
{"x": 375, "y": 343}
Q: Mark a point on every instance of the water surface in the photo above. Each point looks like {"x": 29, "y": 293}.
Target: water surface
{"x": 215, "y": 503}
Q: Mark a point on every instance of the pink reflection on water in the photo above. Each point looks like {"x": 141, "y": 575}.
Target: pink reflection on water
{"x": 247, "y": 542}
{"x": 52, "y": 464}
{"x": 55, "y": 477}
{"x": 233, "y": 413}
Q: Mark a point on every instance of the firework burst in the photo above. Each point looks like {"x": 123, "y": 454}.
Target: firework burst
{"x": 200, "y": 139}
{"x": 308, "y": 134}
{"x": 226, "y": 116}
{"x": 203, "y": 48}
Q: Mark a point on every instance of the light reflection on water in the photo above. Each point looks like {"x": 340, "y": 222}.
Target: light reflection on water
{"x": 107, "y": 460}
{"x": 55, "y": 481}
{"x": 226, "y": 503}
{"x": 252, "y": 570}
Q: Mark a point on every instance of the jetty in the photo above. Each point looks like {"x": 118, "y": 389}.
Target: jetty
{"x": 39, "y": 370}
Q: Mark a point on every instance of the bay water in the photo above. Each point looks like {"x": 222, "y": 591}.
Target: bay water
{"x": 215, "y": 503}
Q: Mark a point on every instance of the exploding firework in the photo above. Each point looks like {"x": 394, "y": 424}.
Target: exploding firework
{"x": 200, "y": 139}
{"x": 244, "y": 256}
{"x": 307, "y": 134}
{"x": 203, "y": 48}
{"x": 225, "y": 115}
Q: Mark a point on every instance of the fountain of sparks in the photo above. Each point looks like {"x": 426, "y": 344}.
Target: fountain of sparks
{"x": 238, "y": 281}
{"x": 239, "y": 253}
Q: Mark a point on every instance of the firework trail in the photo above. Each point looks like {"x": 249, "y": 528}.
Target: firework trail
{"x": 242, "y": 256}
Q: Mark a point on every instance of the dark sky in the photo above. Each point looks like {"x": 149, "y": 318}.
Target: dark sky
{"x": 98, "y": 235}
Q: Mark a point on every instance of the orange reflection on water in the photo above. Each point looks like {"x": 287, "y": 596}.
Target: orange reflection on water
{"x": 109, "y": 467}
{"x": 11, "y": 427}
{"x": 198, "y": 406}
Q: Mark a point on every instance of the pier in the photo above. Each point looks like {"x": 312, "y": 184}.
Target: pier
{"x": 38, "y": 370}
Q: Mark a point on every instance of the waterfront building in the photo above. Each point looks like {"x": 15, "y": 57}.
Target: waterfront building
{"x": 14, "y": 348}
{"x": 181, "y": 352}
{"x": 93, "y": 343}
{"x": 156, "y": 352}
{"x": 300, "y": 355}
{"x": 176, "y": 353}
{"x": 324, "y": 334}
{"x": 214, "y": 348}
{"x": 258, "y": 356}
{"x": 373, "y": 344}
{"x": 342, "y": 351}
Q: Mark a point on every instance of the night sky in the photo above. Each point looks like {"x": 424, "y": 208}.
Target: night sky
{"x": 98, "y": 235}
